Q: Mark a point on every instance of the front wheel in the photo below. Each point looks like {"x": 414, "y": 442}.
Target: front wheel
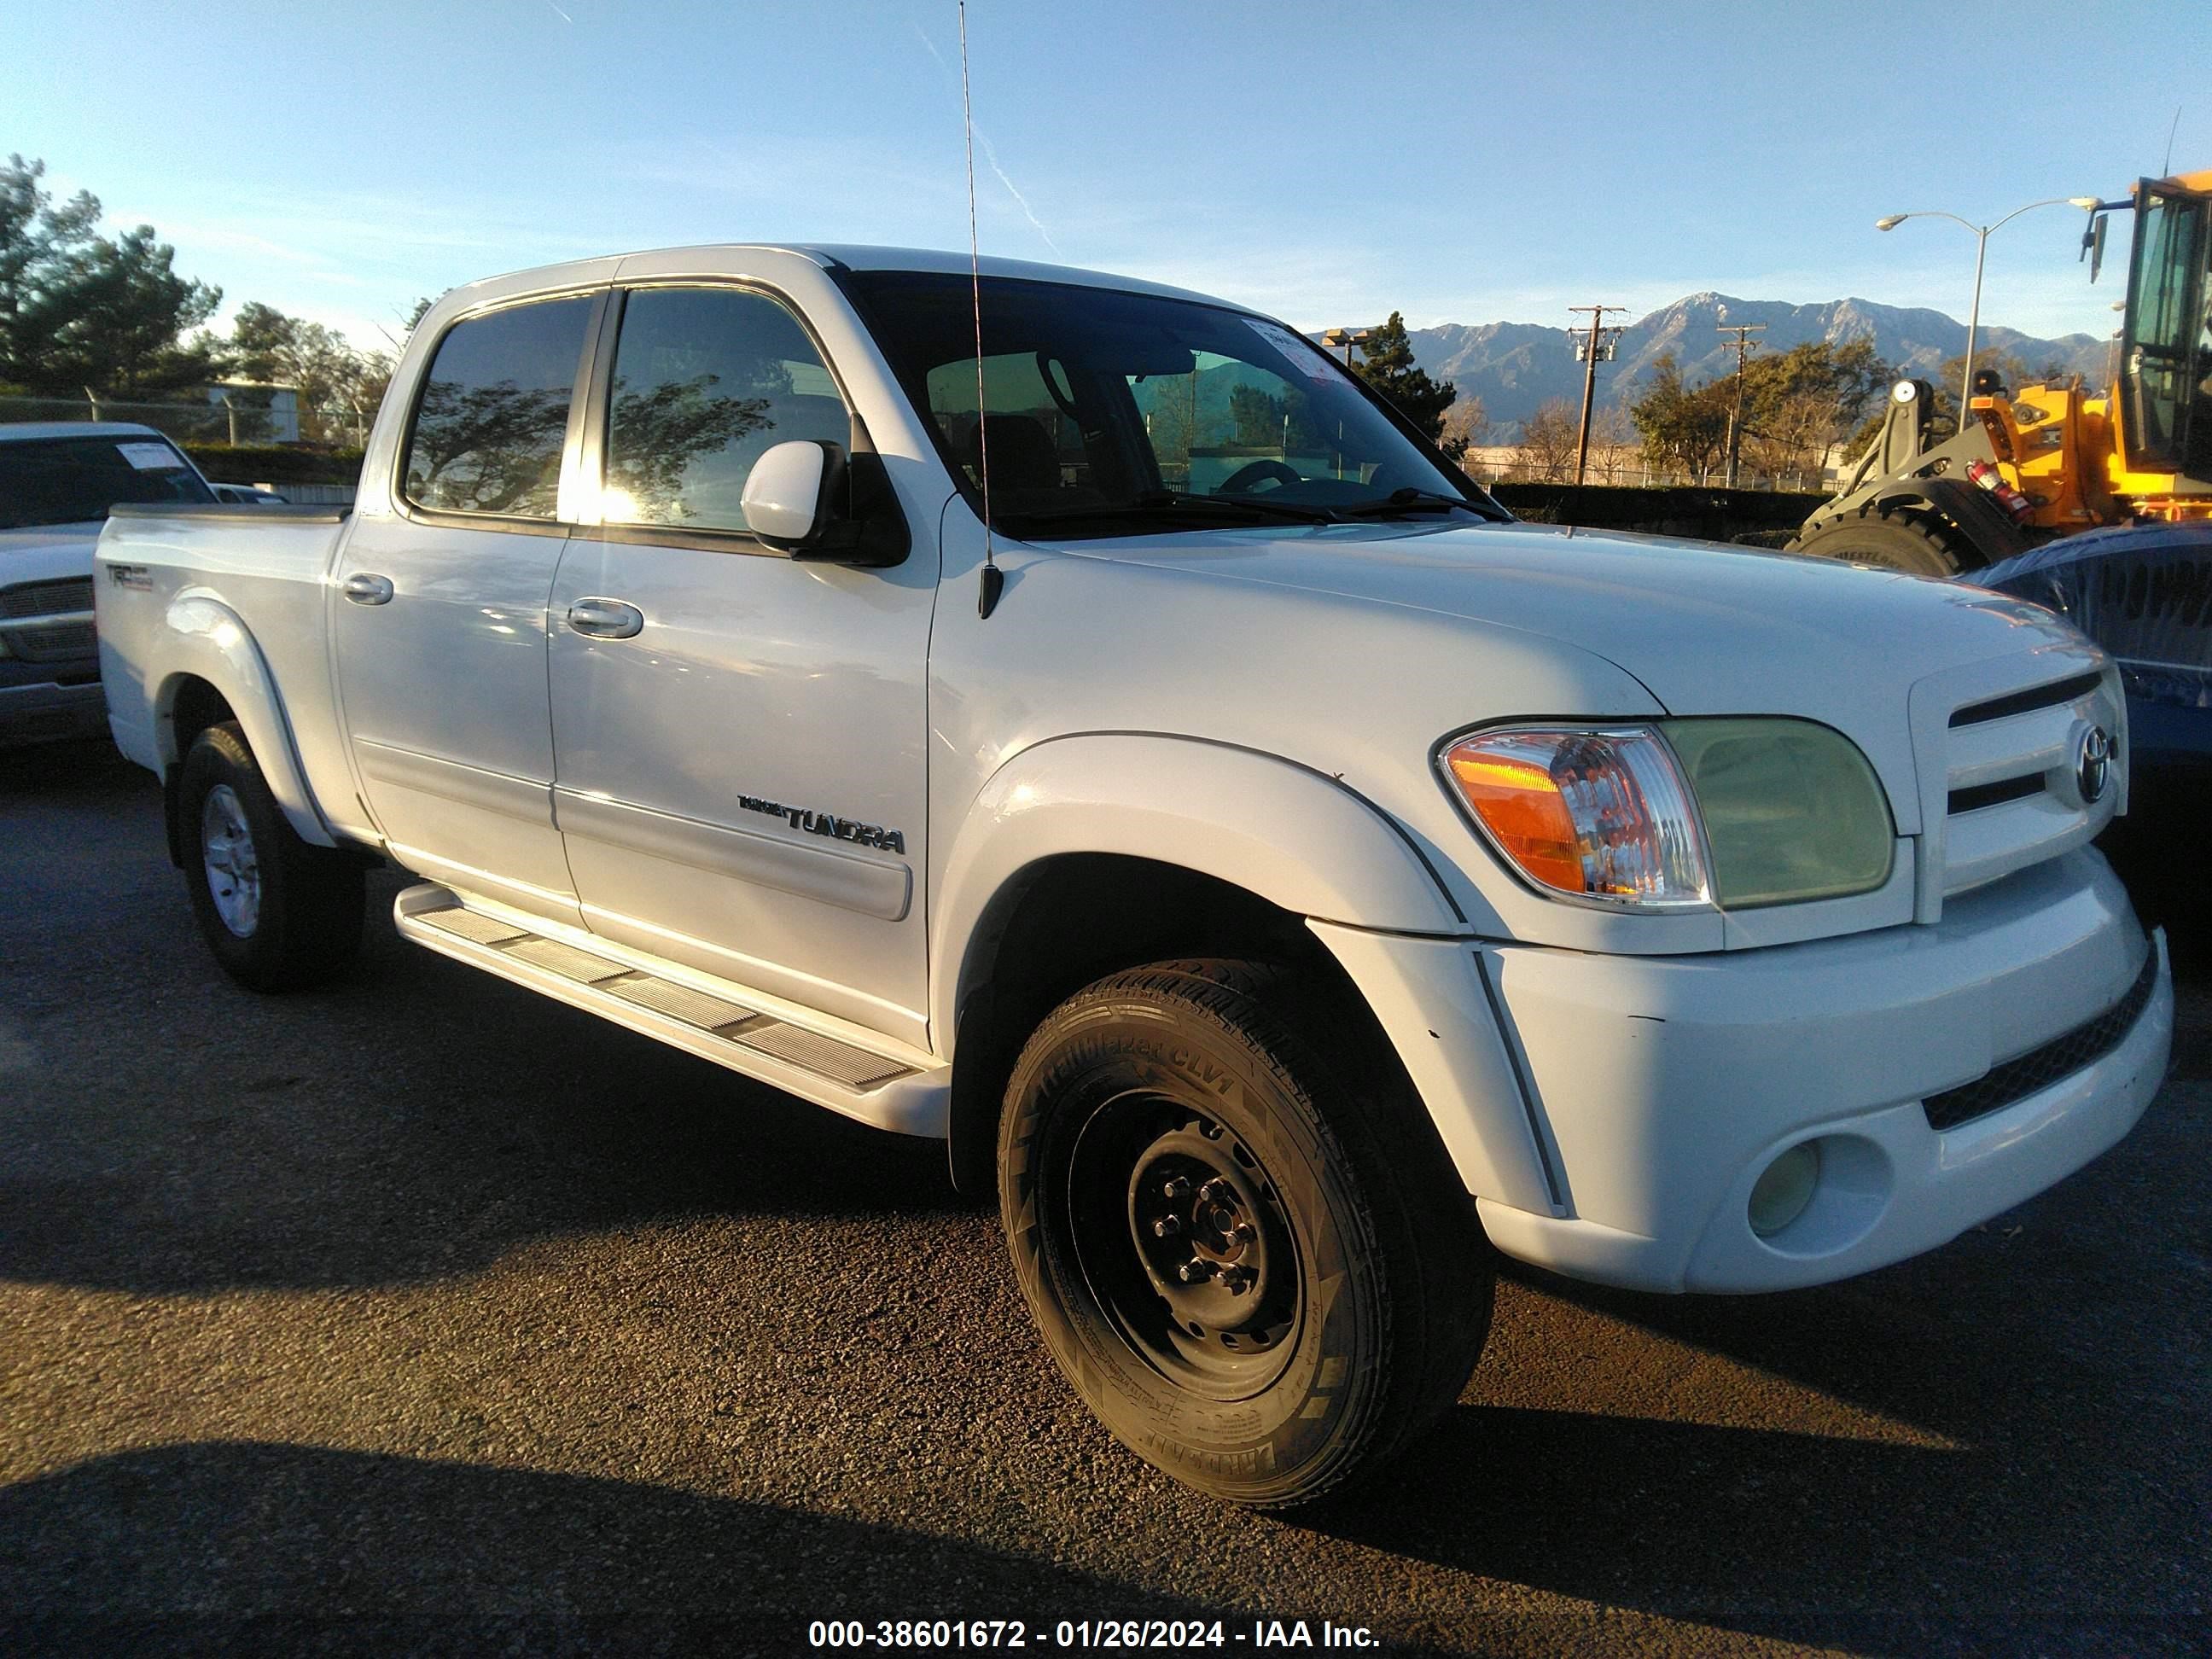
{"x": 1255, "y": 1266}
{"x": 279, "y": 914}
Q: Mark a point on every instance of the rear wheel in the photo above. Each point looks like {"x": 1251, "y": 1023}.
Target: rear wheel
{"x": 1255, "y": 1266}
{"x": 1896, "y": 540}
{"x": 279, "y": 914}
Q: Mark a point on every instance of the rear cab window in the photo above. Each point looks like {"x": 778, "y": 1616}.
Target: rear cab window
{"x": 492, "y": 418}
{"x": 46, "y": 481}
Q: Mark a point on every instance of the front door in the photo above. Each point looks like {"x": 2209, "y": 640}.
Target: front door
{"x": 740, "y": 738}
{"x": 437, "y": 614}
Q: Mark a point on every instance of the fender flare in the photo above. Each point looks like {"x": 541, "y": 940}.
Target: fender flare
{"x": 203, "y": 638}
{"x": 1293, "y": 837}
{"x": 1966, "y": 508}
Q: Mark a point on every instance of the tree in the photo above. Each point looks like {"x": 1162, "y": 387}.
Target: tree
{"x": 1613, "y": 441}
{"x": 1464, "y": 426}
{"x": 1549, "y": 440}
{"x": 1258, "y": 417}
{"x": 80, "y": 311}
{"x": 1387, "y": 364}
{"x": 36, "y": 239}
{"x": 337, "y": 386}
{"x": 1683, "y": 430}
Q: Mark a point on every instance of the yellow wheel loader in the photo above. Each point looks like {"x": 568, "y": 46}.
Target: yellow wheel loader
{"x": 2047, "y": 461}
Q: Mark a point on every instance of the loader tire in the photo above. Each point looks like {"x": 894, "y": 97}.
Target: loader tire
{"x": 1896, "y": 540}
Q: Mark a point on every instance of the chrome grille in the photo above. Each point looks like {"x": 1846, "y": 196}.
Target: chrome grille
{"x": 51, "y": 644}
{"x": 2008, "y": 796}
{"x": 45, "y": 598}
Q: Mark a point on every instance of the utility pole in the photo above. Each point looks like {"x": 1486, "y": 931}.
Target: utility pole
{"x": 1597, "y": 343}
{"x": 1734, "y": 421}
{"x": 1744, "y": 345}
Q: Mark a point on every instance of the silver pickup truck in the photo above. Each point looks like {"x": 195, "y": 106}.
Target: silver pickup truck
{"x": 1076, "y": 719}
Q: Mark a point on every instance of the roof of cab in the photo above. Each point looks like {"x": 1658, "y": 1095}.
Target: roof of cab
{"x": 25, "y": 431}
{"x": 833, "y": 256}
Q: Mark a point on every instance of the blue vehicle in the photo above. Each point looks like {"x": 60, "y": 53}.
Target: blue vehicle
{"x": 2145, "y": 594}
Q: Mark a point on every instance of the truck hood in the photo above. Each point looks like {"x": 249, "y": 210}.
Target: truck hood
{"x": 1709, "y": 629}
{"x": 1706, "y": 630}
{"x": 46, "y": 552}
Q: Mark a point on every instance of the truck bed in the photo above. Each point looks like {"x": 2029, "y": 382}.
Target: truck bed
{"x": 160, "y": 566}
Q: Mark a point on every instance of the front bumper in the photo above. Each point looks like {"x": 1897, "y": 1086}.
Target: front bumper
{"x": 1659, "y": 1089}
{"x": 40, "y": 702}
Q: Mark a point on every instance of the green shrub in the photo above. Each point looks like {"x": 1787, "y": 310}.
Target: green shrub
{"x": 277, "y": 463}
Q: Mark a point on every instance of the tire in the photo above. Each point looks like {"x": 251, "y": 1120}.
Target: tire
{"x": 279, "y": 914}
{"x": 1896, "y": 541}
{"x": 1344, "y": 1283}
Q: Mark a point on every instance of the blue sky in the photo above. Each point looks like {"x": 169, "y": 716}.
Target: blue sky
{"x": 1327, "y": 163}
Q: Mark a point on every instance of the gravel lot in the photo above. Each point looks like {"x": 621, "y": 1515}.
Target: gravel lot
{"x": 424, "y": 1315}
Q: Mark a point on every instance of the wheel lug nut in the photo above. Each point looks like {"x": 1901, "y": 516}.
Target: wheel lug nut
{"x": 1177, "y": 1188}
{"x": 1245, "y": 1232}
{"x": 1166, "y": 1227}
{"x": 1193, "y": 1270}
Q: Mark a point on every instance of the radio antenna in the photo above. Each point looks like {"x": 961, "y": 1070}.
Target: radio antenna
{"x": 993, "y": 579}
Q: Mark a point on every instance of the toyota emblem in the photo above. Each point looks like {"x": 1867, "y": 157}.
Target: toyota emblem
{"x": 2092, "y": 765}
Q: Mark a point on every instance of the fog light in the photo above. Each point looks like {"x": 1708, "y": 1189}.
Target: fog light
{"x": 1785, "y": 1189}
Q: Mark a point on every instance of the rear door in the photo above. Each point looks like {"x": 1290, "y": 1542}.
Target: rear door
{"x": 439, "y": 619}
{"x": 740, "y": 736}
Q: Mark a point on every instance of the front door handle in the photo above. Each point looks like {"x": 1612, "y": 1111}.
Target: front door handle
{"x": 606, "y": 619}
{"x": 365, "y": 589}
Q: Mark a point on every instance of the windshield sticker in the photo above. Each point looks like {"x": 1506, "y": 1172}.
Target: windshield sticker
{"x": 1302, "y": 356}
{"x": 150, "y": 458}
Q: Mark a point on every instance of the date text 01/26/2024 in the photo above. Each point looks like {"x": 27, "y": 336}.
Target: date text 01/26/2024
{"x": 1100, "y": 1633}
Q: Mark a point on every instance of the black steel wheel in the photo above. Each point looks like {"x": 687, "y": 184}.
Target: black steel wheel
{"x": 1262, "y": 1278}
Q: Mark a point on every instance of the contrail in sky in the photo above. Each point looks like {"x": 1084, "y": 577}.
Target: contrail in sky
{"x": 990, "y": 154}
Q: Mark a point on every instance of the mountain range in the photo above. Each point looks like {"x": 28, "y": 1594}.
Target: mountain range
{"x": 1514, "y": 366}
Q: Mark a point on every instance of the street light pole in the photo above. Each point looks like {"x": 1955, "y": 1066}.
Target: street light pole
{"x": 2086, "y": 204}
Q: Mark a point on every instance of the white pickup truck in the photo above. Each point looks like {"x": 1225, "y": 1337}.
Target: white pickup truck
{"x": 58, "y": 481}
{"x": 1286, "y": 875}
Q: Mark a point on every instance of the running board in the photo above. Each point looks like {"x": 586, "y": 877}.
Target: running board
{"x": 886, "y": 1085}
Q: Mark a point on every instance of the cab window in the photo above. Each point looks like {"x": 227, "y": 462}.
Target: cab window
{"x": 493, "y": 410}
{"x": 705, "y": 381}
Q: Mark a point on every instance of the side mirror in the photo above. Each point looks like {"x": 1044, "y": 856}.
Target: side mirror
{"x": 807, "y": 498}
{"x": 2093, "y": 245}
{"x": 787, "y": 499}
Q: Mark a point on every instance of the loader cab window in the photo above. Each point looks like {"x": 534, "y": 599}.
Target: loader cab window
{"x": 2168, "y": 357}
{"x": 493, "y": 414}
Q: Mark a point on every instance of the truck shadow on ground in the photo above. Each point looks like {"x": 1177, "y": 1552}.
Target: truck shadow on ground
{"x": 166, "y": 1130}
{"x": 258, "y": 1546}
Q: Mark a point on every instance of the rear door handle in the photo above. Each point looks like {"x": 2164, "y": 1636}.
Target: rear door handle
{"x": 365, "y": 589}
{"x": 606, "y": 619}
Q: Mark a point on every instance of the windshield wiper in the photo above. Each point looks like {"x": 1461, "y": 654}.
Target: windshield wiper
{"x": 1412, "y": 501}
{"x": 1180, "y": 503}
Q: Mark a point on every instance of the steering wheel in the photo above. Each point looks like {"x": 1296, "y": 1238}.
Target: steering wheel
{"x": 1240, "y": 482}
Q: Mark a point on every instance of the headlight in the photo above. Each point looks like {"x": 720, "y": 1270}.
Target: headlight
{"x": 1602, "y": 816}
{"x": 1685, "y": 814}
{"x": 1791, "y": 810}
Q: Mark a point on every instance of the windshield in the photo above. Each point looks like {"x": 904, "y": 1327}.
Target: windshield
{"x": 76, "y": 480}
{"x": 1112, "y": 413}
